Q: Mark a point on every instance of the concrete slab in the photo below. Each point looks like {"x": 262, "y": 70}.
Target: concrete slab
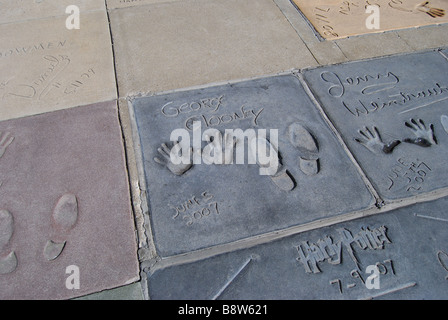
{"x": 425, "y": 37}
{"x": 391, "y": 114}
{"x": 115, "y": 4}
{"x": 65, "y": 205}
{"x": 325, "y": 52}
{"x": 340, "y": 19}
{"x": 373, "y": 45}
{"x": 129, "y": 292}
{"x": 406, "y": 248}
{"x": 203, "y": 42}
{"x": 24, "y": 10}
{"x": 215, "y": 204}
{"x": 445, "y": 53}
{"x": 46, "y": 67}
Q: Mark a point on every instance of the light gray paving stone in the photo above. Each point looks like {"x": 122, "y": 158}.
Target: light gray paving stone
{"x": 373, "y": 45}
{"x": 406, "y": 248}
{"x": 214, "y": 204}
{"x": 404, "y": 97}
{"x": 425, "y": 37}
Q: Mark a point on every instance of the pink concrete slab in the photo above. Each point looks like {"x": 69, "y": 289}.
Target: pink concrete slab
{"x": 64, "y": 184}
{"x": 335, "y": 19}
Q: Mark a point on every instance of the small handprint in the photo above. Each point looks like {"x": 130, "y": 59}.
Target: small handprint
{"x": 165, "y": 152}
{"x": 371, "y": 139}
{"x": 432, "y": 12}
{"x": 425, "y": 136}
{"x": 5, "y": 140}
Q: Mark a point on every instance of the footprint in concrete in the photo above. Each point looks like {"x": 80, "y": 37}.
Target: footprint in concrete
{"x": 65, "y": 216}
{"x": 303, "y": 140}
{"x": 444, "y": 121}
{"x": 281, "y": 177}
{"x": 8, "y": 263}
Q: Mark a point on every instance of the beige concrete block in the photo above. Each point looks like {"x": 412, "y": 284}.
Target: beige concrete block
{"x": 114, "y": 4}
{"x": 302, "y": 25}
{"x": 21, "y": 10}
{"x": 194, "y": 42}
{"x": 425, "y": 37}
{"x": 45, "y": 67}
{"x": 327, "y": 52}
{"x": 335, "y": 19}
{"x": 374, "y": 45}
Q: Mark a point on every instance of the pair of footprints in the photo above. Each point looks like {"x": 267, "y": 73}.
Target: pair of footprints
{"x": 308, "y": 160}
{"x": 299, "y": 137}
{"x": 64, "y": 218}
{"x": 424, "y": 137}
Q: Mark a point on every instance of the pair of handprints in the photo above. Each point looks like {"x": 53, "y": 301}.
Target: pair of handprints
{"x": 423, "y": 136}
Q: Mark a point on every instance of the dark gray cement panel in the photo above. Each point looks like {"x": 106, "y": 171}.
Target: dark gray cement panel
{"x": 386, "y": 93}
{"x": 411, "y": 257}
{"x": 445, "y": 52}
{"x": 249, "y": 204}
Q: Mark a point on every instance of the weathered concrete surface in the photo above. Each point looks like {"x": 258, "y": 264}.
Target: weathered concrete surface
{"x": 46, "y": 67}
{"x": 408, "y": 247}
{"x": 64, "y": 182}
{"x": 404, "y": 98}
{"x": 425, "y": 37}
{"x": 215, "y": 204}
{"x": 129, "y": 292}
{"x": 373, "y": 45}
{"x": 23, "y": 10}
{"x": 114, "y": 4}
{"x": 445, "y": 52}
{"x": 339, "y": 19}
{"x": 221, "y": 41}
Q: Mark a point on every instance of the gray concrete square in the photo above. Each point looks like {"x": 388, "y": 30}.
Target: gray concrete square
{"x": 407, "y": 249}
{"x": 209, "y": 205}
{"x": 392, "y": 114}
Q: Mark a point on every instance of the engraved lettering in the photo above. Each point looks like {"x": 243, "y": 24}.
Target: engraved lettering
{"x": 311, "y": 254}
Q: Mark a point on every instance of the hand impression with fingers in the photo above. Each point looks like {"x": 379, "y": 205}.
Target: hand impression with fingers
{"x": 371, "y": 139}
{"x": 424, "y": 136}
{"x": 178, "y": 168}
{"x": 432, "y": 12}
